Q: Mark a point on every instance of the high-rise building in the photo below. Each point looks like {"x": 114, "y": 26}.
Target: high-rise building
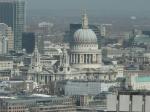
{"x": 45, "y": 28}
{"x": 6, "y": 38}
{"x": 106, "y": 30}
{"x": 3, "y": 44}
{"x": 28, "y": 41}
{"x": 12, "y": 13}
{"x": 10, "y": 35}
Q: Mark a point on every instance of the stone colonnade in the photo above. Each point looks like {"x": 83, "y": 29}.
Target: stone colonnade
{"x": 84, "y": 58}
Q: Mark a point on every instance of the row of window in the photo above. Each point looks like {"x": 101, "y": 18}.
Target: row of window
{"x": 21, "y": 107}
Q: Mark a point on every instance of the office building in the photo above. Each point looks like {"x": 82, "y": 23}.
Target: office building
{"x": 37, "y": 103}
{"x": 3, "y": 44}
{"x": 28, "y": 41}
{"x": 106, "y": 30}
{"x": 7, "y": 38}
{"x": 128, "y": 102}
{"x": 12, "y": 13}
{"x": 6, "y": 63}
{"x": 45, "y": 28}
{"x": 10, "y": 36}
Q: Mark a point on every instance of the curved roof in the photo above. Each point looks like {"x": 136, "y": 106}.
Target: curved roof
{"x": 85, "y": 35}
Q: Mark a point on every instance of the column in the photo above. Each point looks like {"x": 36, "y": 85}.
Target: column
{"x": 74, "y": 58}
{"x": 96, "y": 58}
{"x": 90, "y": 58}
{"x": 99, "y": 58}
{"x": 84, "y": 58}
{"x": 45, "y": 79}
{"x": 70, "y": 58}
{"x": 81, "y": 58}
{"x": 87, "y": 58}
{"x": 50, "y": 79}
{"x": 77, "y": 58}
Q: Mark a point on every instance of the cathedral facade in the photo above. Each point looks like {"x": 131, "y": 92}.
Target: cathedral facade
{"x": 84, "y": 51}
{"x": 82, "y": 61}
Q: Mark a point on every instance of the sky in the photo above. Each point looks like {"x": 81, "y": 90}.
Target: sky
{"x": 97, "y": 7}
{"x": 130, "y": 5}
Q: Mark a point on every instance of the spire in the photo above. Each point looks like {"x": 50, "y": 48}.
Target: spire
{"x": 36, "y": 51}
{"x": 36, "y": 45}
{"x": 85, "y": 21}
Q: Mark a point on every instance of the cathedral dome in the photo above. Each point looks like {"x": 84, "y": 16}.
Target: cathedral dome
{"x": 85, "y": 35}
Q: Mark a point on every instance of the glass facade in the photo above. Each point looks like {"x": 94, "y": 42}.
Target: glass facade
{"x": 142, "y": 79}
{"x": 12, "y": 13}
{"x": 28, "y": 41}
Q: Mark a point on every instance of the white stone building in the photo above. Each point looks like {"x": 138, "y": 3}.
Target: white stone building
{"x": 81, "y": 61}
{"x": 6, "y": 64}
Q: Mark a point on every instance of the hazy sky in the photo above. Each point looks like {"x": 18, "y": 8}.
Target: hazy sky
{"x": 130, "y": 5}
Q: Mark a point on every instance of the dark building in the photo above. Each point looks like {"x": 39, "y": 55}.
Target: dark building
{"x": 28, "y": 41}
{"x": 75, "y": 27}
{"x": 12, "y": 13}
{"x": 146, "y": 33}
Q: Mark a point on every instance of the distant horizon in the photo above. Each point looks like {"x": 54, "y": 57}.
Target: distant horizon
{"x": 93, "y": 7}
{"x": 78, "y": 12}
{"x": 126, "y": 5}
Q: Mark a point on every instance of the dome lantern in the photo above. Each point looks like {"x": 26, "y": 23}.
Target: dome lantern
{"x": 85, "y": 35}
{"x": 85, "y": 21}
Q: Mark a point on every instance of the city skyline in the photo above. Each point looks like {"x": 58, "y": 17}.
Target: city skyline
{"x": 55, "y": 56}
